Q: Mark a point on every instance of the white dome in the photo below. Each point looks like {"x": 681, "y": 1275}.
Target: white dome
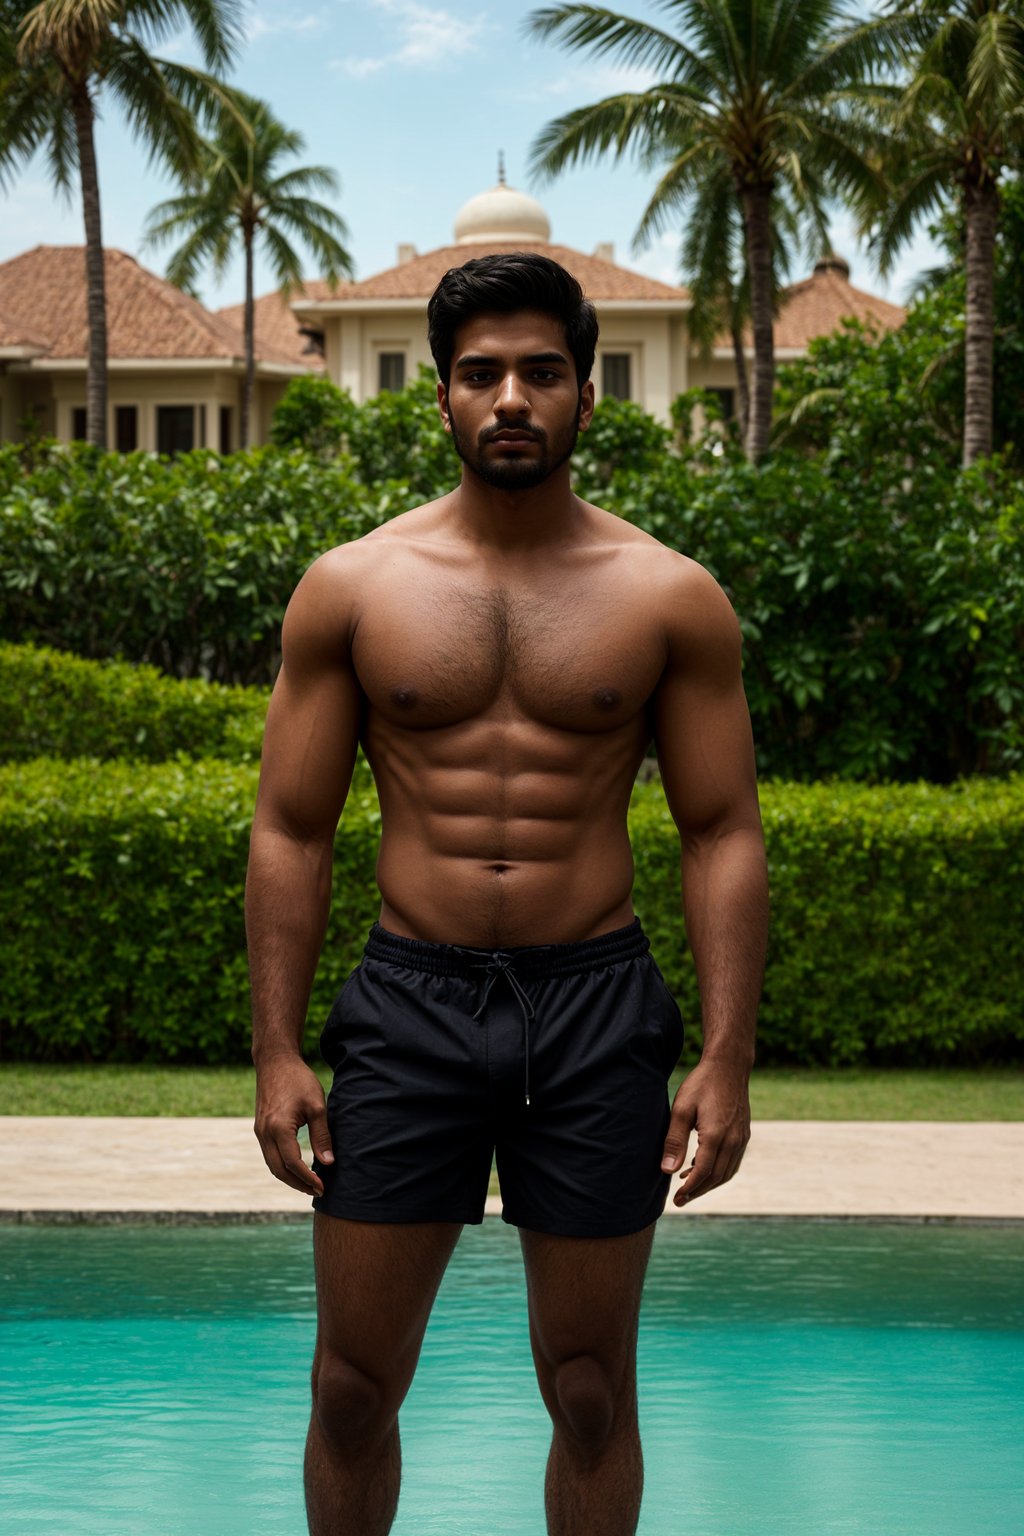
{"x": 501, "y": 214}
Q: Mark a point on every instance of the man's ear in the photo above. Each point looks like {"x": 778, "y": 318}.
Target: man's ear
{"x": 586, "y": 405}
{"x": 442, "y": 405}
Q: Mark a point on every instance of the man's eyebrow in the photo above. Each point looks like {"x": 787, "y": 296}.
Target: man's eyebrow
{"x": 477, "y": 360}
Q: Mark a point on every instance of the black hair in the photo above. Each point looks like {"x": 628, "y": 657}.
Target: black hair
{"x": 504, "y": 284}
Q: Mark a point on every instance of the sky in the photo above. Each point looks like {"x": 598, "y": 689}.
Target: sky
{"x": 409, "y": 103}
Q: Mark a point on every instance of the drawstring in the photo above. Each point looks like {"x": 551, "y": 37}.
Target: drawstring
{"x": 496, "y": 964}
{"x": 540, "y": 961}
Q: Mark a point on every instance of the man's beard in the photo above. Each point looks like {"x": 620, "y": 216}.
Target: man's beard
{"x": 517, "y": 474}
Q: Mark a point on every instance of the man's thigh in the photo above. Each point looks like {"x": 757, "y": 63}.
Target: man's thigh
{"x": 584, "y": 1301}
{"x": 375, "y": 1287}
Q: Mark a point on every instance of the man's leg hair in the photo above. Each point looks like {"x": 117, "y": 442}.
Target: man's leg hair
{"x": 376, "y": 1284}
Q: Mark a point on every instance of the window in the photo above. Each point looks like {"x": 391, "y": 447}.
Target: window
{"x": 78, "y": 420}
{"x": 391, "y": 370}
{"x": 225, "y": 429}
{"x": 202, "y": 425}
{"x": 175, "y": 428}
{"x": 126, "y": 428}
{"x": 615, "y": 375}
{"x": 727, "y": 401}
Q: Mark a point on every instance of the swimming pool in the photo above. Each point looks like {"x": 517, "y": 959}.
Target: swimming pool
{"x": 794, "y": 1377}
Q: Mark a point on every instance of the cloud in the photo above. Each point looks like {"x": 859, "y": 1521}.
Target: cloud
{"x": 587, "y": 83}
{"x": 426, "y": 37}
{"x": 262, "y": 26}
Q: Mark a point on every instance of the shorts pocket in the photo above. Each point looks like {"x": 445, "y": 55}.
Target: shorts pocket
{"x": 332, "y": 1036}
{"x": 669, "y": 1017}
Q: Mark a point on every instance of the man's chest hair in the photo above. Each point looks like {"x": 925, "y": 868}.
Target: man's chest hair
{"x": 583, "y": 659}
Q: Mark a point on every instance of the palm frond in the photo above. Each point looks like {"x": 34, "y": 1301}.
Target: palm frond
{"x": 915, "y": 198}
{"x": 154, "y": 110}
{"x": 285, "y": 261}
{"x": 33, "y": 108}
{"x": 307, "y": 178}
{"x": 217, "y": 25}
{"x": 187, "y": 262}
{"x": 680, "y": 180}
{"x": 995, "y": 69}
{"x": 635, "y": 43}
{"x": 617, "y": 124}
{"x": 853, "y": 55}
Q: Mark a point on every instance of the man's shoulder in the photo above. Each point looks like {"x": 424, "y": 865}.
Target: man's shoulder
{"x": 356, "y": 555}
{"x": 673, "y": 572}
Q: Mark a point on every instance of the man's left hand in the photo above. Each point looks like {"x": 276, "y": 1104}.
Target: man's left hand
{"x": 713, "y": 1100}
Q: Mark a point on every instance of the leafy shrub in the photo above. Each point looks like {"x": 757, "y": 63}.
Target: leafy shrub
{"x": 397, "y": 435}
{"x": 58, "y": 705}
{"x": 622, "y": 439}
{"x": 185, "y": 563}
{"x": 883, "y": 619}
{"x": 896, "y": 930}
{"x": 312, "y": 414}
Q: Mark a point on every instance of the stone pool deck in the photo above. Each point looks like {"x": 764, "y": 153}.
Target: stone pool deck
{"x": 68, "y": 1169}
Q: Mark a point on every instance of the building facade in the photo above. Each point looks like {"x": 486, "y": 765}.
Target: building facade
{"x": 374, "y": 332}
{"x": 176, "y": 369}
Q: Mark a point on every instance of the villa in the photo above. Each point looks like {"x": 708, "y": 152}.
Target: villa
{"x": 176, "y": 369}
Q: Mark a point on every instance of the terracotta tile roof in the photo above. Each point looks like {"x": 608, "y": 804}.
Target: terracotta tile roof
{"x": 277, "y": 325}
{"x": 14, "y": 335}
{"x": 417, "y": 279}
{"x": 44, "y": 289}
{"x": 815, "y": 307}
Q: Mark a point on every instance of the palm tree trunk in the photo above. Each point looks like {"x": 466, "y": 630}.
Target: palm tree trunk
{"x": 757, "y": 223}
{"x": 95, "y": 280}
{"x": 742, "y": 385}
{"x": 250, "y": 344}
{"x": 981, "y": 206}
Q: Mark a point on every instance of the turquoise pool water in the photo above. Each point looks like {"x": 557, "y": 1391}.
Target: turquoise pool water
{"x": 795, "y": 1377}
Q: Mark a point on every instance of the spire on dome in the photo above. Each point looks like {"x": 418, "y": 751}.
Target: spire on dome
{"x": 501, "y": 167}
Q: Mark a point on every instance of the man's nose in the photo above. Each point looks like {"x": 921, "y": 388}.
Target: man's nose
{"x": 511, "y": 399}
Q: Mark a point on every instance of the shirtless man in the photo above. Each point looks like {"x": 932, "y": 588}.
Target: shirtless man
{"x": 505, "y": 655}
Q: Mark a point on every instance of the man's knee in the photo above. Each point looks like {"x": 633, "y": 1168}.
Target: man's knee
{"x": 351, "y": 1408}
{"x": 585, "y": 1395}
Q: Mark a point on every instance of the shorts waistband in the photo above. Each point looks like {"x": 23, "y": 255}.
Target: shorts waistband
{"x": 540, "y": 960}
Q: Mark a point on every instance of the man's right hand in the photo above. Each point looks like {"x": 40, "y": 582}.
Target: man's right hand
{"x": 288, "y": 1095}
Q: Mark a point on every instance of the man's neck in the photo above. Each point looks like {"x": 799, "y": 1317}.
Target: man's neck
{"x": 512, "y": 522}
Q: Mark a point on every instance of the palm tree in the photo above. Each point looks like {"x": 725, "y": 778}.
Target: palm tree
{"x": 57, "y": 60}
{"x": 713, "y": 267}
{"x": 758, "y": 100}
{"x": 240, "y": 190}
{"x": 958, "y": 124}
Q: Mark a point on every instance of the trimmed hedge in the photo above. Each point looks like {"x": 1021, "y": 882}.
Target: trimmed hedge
{"x": 897, "y": 933}
{"x": 121, "y": 910}
{"x": 896, "y": 937}
{"x": 59, "y": 705}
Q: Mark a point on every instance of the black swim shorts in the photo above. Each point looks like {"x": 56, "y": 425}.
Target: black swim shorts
{"x": 554, "y": 1057}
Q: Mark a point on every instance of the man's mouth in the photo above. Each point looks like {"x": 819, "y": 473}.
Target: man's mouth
{"x": 513, "y": 437}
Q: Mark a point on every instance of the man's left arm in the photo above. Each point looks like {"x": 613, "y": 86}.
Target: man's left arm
{"x": 706, "y": 755}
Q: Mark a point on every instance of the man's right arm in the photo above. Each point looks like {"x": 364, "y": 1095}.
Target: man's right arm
{"x": 309, "y": 751}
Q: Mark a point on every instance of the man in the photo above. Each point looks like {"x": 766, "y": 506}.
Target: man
{"x": 505, "y": 655}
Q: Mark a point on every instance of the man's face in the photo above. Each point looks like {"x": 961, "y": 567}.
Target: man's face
{"x": 512, "y": 404}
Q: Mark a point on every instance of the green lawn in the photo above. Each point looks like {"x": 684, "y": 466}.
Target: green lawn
{"x": 775, "y": 1093}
